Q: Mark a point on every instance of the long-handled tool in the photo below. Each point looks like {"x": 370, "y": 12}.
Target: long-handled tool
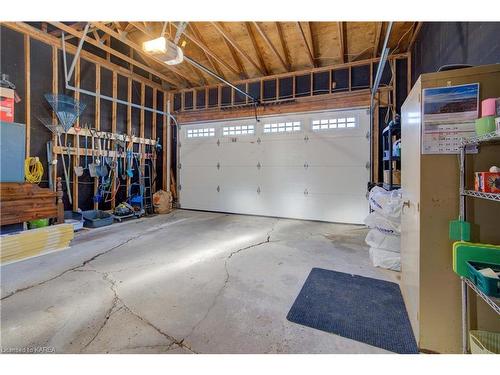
{"x": 78, "y": 169}
{"x": 66, "y": 174}
{"x": 86, "y": 146}
{"x": 92, "y": 166}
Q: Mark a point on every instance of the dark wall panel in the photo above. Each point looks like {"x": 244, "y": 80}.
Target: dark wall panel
{"x": 148, "y": 116}
{"x": 159, "y": 134}
{"x": 87, "y": 82}
{"x": 40, "y": 84}
{"x": 226, "y": 96}
{"x": 254, "y": 89}
{"x": 285, "y": 87}
{"x": 61, "y": 84}
{"x": 12, "y": 63}
{"x": 136, "y": 113}
{"x": 401, "y": 83}
{"x": 303, "y": 85}
{"x": 122, "y": 87}
{"x": 239, "y": 98}
{"x": 200, "y": 99}
{"x": 122, "y": 48}
{"x": 442, "y": 43}
{"x": 321, "y": 83}
{"x": 269, "y": 90}
{"x": 106, "y": 111}
{"x": 213, "y": 97}
{"x": 188, "y": 100}
{"x": 360, "y": 77}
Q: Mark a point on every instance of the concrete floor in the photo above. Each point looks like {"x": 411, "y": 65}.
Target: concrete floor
{"x": 187, "y": 282}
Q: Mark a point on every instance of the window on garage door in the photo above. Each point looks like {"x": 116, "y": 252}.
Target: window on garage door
{"x": 201, "y": 132}
{"x": 334, "y": 123}
{"x": 238, "y": 130}
{"x": 282, "y": 127}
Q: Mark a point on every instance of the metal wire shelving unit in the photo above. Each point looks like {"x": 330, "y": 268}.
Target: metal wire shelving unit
{"x": 494, "y": 303}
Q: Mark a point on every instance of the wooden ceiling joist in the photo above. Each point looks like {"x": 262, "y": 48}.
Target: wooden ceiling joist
{"x": 414, "y": 35}
{"x": 139, "y": 50}
{"x": 378, "y": 34}
{"x": 113, "y": 52}
{"x": 206, "y": 49}
{"x": 210, "y": 59}
{"x": 271, "y": 46}
{"x": 225, "y": 34}
{"x": 284, "y": 46}
{"x": 242, "y": 74}
{"x": 256, "y": 48}
{"x": 342, "y": 32}
{"x": 306, "y": 44}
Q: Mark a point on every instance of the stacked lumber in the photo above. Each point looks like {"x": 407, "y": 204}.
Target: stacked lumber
{"x": 35, "y": 242}
{"x": 21, "y": 202}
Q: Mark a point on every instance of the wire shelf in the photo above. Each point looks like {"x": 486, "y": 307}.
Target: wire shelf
{"x": 488, "y": 137}
{"x": 493, "y": 302}
{"x": 479, "y": 194}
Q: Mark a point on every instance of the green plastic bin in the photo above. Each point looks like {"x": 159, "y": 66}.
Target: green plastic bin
{"x": 488, "y": 285}
{"x": 484, "y": 342}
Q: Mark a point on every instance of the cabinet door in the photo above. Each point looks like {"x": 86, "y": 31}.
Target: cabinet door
{"x": 410, "y": 217}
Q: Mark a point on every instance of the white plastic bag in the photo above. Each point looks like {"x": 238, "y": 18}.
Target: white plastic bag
{"x": 387, "y": 203}
{"x": 385, "y": 259}
{"x": 388, "y": 242}
{"x": 387, "y": 225}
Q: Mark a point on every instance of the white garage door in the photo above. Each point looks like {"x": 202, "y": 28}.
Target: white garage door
{"x": 306, "y": 166}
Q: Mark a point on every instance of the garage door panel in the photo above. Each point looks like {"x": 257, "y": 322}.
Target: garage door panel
{"x": 200, "y": 176}
{"x": 307, "y": 174}
{"x": 337, "y": 151}
{"x": 282, "y": 179}
{"x": 237, "y": 177}
{"x": 336, "y": 180}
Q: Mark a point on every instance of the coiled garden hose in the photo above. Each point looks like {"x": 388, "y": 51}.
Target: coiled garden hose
{"x": 33, "y": 170}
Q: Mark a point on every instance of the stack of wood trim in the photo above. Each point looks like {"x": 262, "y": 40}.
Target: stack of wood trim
{"x": 35, "y": 242}
{"x": 21, "y": 202}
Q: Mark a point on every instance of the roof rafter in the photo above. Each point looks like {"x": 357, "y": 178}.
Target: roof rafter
{"x": 205, "y": 48}
{"x": 220, "y": 28}
{"x": 414, "y": 35}
{"x": 113, "y": 52}
{"x": 283, "y": 44}
{"x": 378, "y": 34}
{"x": 271, "y": 46}
{"x": 210, "y": 59}
{"x": 304, "y": 40}
{"x": 256, "y": 48}
{"x": 342, "y": 33}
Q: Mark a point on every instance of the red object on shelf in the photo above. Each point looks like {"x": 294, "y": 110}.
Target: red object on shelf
{"x": 487, "y": 182}
{"x": 7, "y": 99}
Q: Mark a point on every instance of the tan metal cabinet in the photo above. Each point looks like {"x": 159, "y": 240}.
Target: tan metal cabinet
{"x": 430, "y": 185}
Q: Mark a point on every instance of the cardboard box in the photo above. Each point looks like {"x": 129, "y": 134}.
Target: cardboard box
{"x": 487, "y": 182}
{"x": 6, "y": 104}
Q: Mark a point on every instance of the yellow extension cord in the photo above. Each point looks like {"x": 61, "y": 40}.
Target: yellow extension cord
{"x": 33, "y": 170}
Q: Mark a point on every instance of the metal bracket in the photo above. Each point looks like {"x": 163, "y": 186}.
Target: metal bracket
{"x": 259, "y": 165}
{"x": 218, "y": 189}
{"x": 180, "y": 187}
{"x": 218, "y": 166}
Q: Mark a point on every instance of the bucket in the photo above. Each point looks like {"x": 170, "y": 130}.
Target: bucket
{"x": 38, "y": 223}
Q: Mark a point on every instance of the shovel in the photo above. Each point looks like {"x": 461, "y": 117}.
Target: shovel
{"x": 78, "y": 169}
{"x": 93, "y": 165}
{"x": 101, "y": 170}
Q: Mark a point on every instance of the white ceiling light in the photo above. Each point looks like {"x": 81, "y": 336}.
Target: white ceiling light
{"x": 164, "y": 50}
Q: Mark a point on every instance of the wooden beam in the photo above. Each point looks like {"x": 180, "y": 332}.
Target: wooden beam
{"x": 97, "y": 120}
{"x": 27, "y": 88}
{"x": 306, "y": 45}
{"x": 313, "y": 48}
{"x": 34, "y": 33}
{"x": 271, "y": 46}
{"x": 210, "y": 59}
{"x": 342, "y": 33}
{"x": 225, "y": 34}
{"x": 242, "y": 72}
{"x": 207, "y": 50}
{"x": 262, "y": 63}
{"x": 284, "y": 46}
{"x": 414, "y": 35}
{"x": 378, "y": 34}
{"x": 55, "y": 89}
{"x": 139, "y": 50}
{"x": 113, "y": 52}
{"x": 76, "y": 140}
{"x": 113, "y": 130}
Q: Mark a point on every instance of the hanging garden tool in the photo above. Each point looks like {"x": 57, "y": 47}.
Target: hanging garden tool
{"x": 86, "y": 146}
{"x": 67, "y": 110}
{"x": 78, "y": 169}
{"x": 93, "y": 166}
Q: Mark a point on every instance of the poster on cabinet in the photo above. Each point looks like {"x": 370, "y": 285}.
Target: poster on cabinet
{"x": 448, "y": 116}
